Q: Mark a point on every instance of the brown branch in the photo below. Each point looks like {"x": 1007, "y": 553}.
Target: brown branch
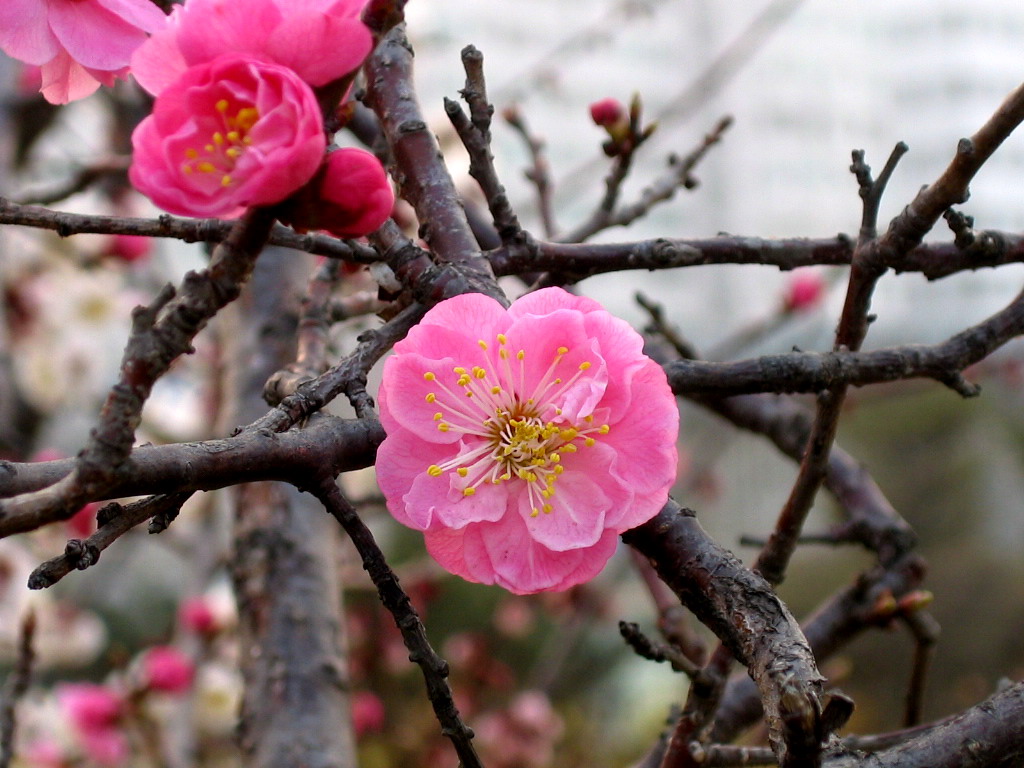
{"x": 717, "y": 588}
{"x": 422, "y": 175}
{"x": 925, "y": 631}
{"x": 187, "y": 230}
{"x": 80, "y": 180}
{"x": 539, "y": 171}
{"x": 326, "y": 442}
{"x": 813, "y": 371}
{"x": 18, "y": 681}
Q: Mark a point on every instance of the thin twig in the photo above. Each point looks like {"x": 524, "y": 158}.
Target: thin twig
{"x": 17, "y": 685}
{"x": 539, "y": 172}
{"x": 394, "y": 598}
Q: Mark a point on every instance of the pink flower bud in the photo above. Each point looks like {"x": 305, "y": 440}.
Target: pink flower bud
{"x": 350, "y": 197}
{"x": 196, "y": 615}
{"x": 91, "y": 707}
{"x": 803, "y": 292}
{"x": 607, "y": 112}
{"x": 167, "y": 669}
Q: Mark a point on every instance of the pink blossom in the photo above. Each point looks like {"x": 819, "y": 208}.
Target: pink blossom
{"x": 129, "y": 248}
{"x": 522, "y": 442}
{"x": 77, "y": 43}
{"x": 167, "y": 669}
{"x": 607, "y": 112}
{"x": 368, "y": 713}
{"x": 320, "y": 40}
{"x": 94, "y": 711}
{"x": 196, "y": 615}
{"x": 83, "y": 523}
{"x": 228, "y": 134}
{"x": 350, "y": 197}
{"x": 804, "y": 290}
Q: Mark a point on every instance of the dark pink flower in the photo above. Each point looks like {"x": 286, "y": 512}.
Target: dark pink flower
{"x": 350, "y": 197}
{"x": 320, "y": 40}
{"x": 196, "y": 615}
{"x": 167, "y": 669}
{"x": 367, "y": 713}
{"x": 607, "y": 112}
{"x": 95, "y": 712}
{"x": 522, "y": 442}
{"x": 77, "y": 43}
{"x": 83, "y": 522}
{"x": 229, "y": 134}
{"x": 804, "y": 290}
{"x": 129, "y": 248}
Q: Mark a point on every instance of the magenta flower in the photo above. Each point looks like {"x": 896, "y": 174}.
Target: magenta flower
{"x": 95, "y": 712}
{"x": 77, "y": 43}
{"x": 320, "y": 40}
{"x": 228, "y": 134}
{"x": 522, "y": 442}
{"x": 350, "y": 197}
{"x": 167, "y": 669}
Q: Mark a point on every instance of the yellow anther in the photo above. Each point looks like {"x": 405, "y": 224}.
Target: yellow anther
{"x": 434, "y": 471}
{"x": 442, "y": 427}
{"x": 206, "y": 167}
{"x": 218, "y": 138}
{"x": 463, "y": 380}
{"x": 503, "y": 354}
{"x": 520, "y": 354}
{"x": 589, "y": 442}
{"x": 555, "y": 458}
{"x": 483, "y": 344}
{"x": 247, "y": 140}
{"x": 247, "y": 117}
{"x": 462, "y": 471}
{"x": 506, "y": 476}
{"x": 569, "y": 448}
{"x": 233, "y": 152}
{"x": 438, "y": 416}
{"x": 584, "y": 366}
{"x": 559, "y": 469}
{"x": 233, "y": 136}
{"x": 604, "y": 429}
{"x": 589, "y": 418}
{"x": 569, "y": 434}
{"x": 222, "y": 105}
{"x": 191, "y": 154}
{"x": 209, "y": 148}
{"x": 534, "y": 512}
{"x": 186, "y": 168}
{"x": 479, "y": 372}
{"x": 562, "y": 350}
{"x": 431, "y": 397}
{"x": 225, "y": 180}
{"x": 547, "y": 509}
{"x": 428, "y": 376}
{"x": 495, "y": 390}
{"x": 502, "y": 338}
{"x": 458, "y": 369}
{"x": 468, "y": 491}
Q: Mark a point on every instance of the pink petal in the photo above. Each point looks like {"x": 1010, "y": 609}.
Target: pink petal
{"x": 92, "y": 35}
{"x": 140, "y": 13}
{"x": 548, "y": 300}
{"x": 64, "y": 80}
{"x": 470, "y": 315}
{"x": 158, "y": 62}
{"x": 401, "y": 459}
{"x": 577, "y": 516}
{"x": 440, "y": 501}
{"x": 318, "y": 47}
{"x": 209, "y": 28}
{"x": 409, "y": 393}
{"x": 25, "y": 31}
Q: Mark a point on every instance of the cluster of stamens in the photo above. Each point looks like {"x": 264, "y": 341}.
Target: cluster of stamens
{"x": 508, "y": 437}
{"x": 225, "y": 146}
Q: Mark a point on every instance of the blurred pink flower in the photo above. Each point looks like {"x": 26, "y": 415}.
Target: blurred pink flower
{"x": 129, "y": 248}
{"x": 167, "y": 669}
{"x": 805, "y": 289}
{"x": 197, "y": 615}
{"x": 229, "y": 134}
{"x": 522, "y": 442}
{"x": 83, "y": 523}
{"x": 320, "y": 40}
{"x": 77, "y": 43}
{"x": 524, "y": 736}
{"x": 350, "y": 197}
{"x": 367, "y": 713}
{"x": 95, "y": 711}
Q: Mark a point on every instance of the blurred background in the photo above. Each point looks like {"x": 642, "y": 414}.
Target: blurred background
{"x": 806, "y": 82}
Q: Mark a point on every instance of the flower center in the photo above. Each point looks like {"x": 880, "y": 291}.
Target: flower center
{"x": 228, "y": 141}
{"x": 505, "y": 435}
